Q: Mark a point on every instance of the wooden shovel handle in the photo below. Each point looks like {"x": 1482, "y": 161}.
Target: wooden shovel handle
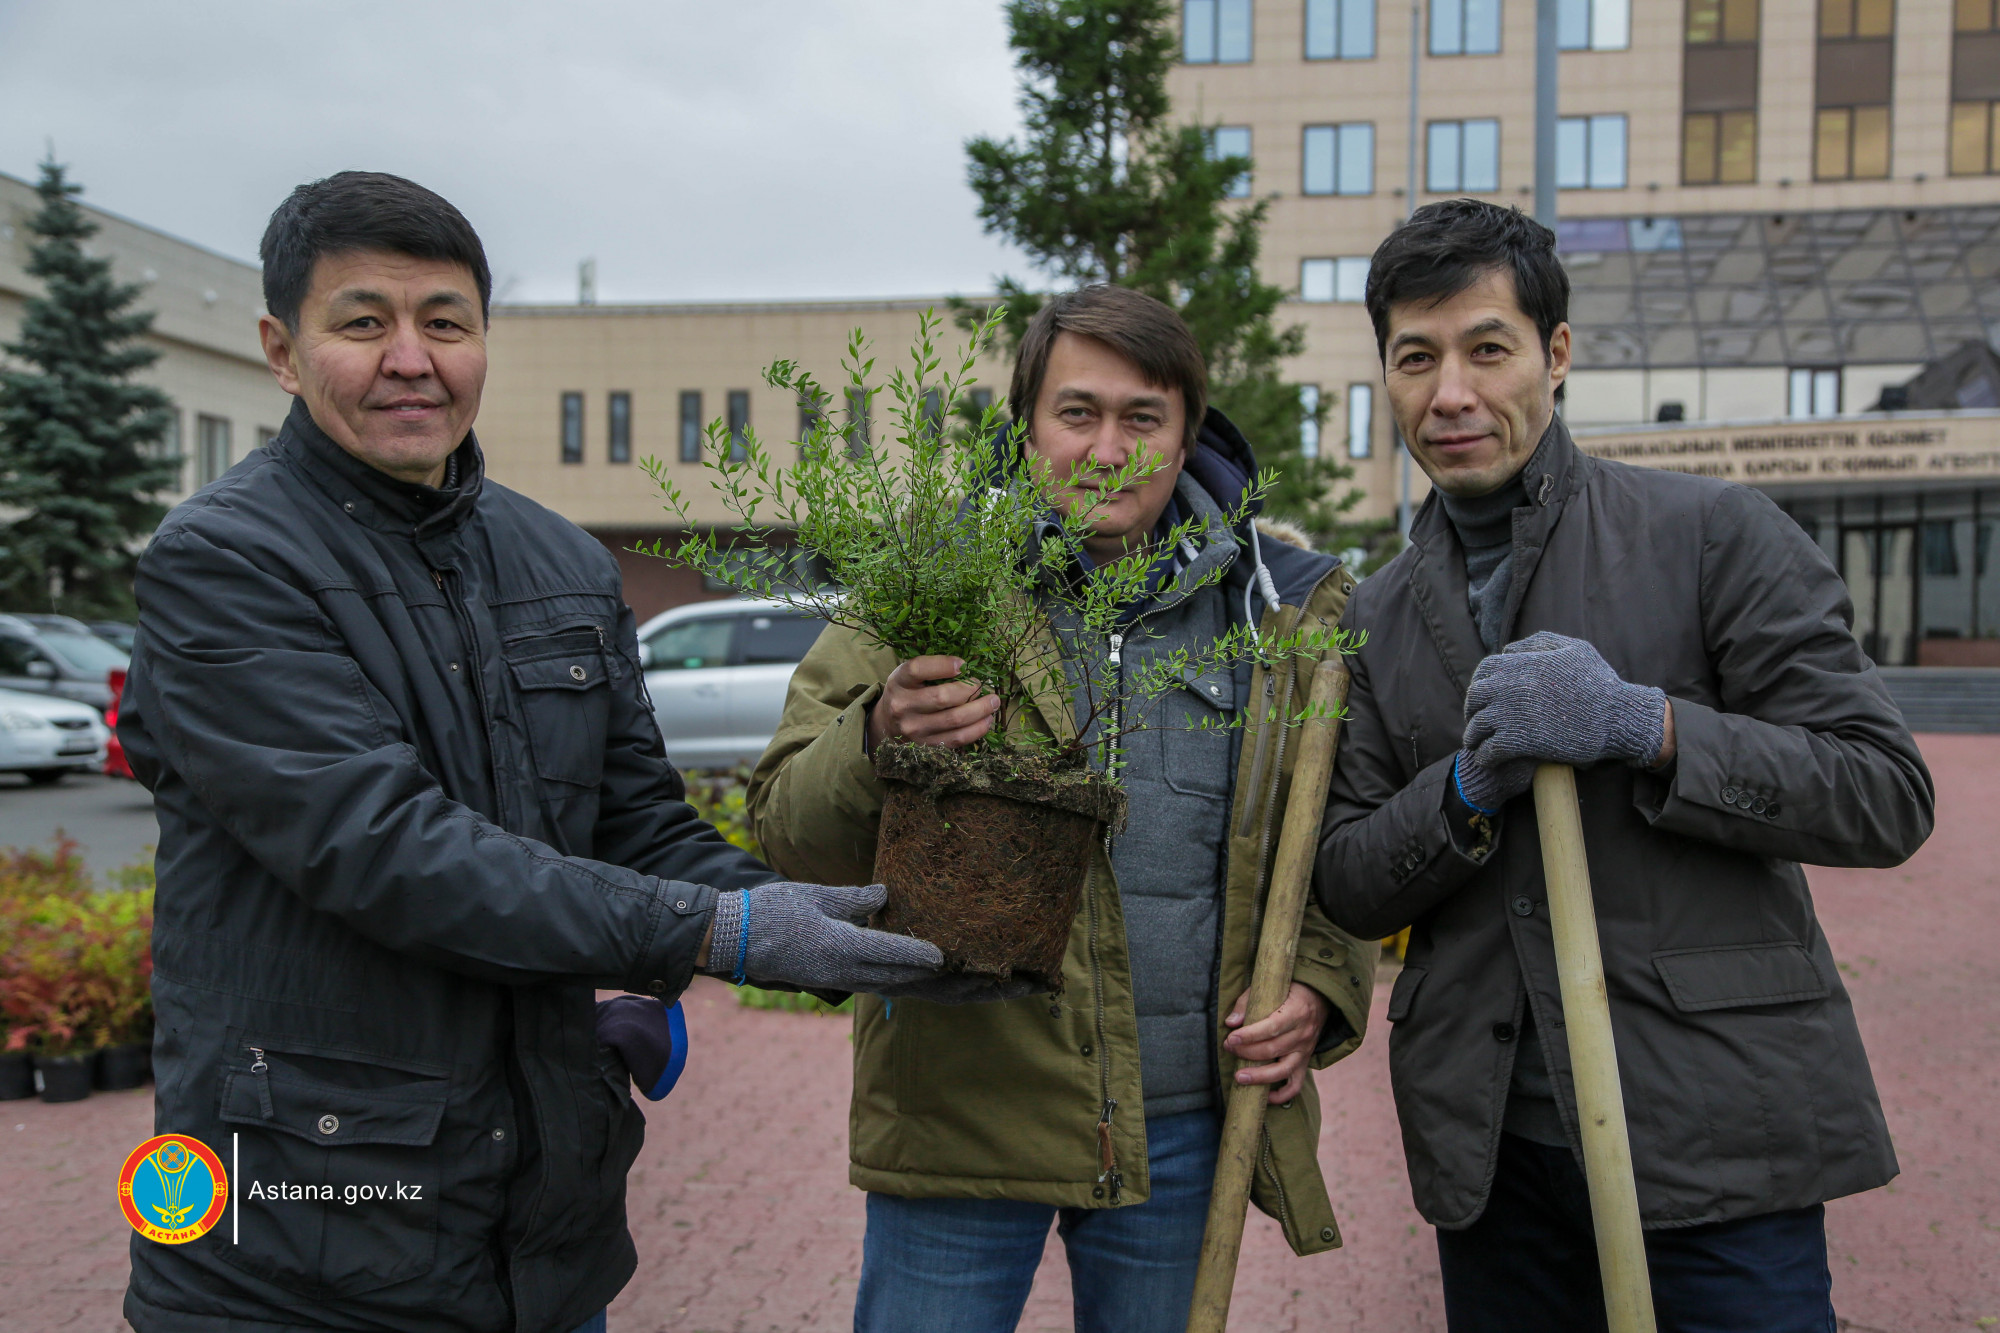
{"x": 1270, "y": 982}
{"x": 1593, "y": 1058}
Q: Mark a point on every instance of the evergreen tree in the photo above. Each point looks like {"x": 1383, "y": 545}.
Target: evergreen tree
{"x": 80, "y": 460}
{"x": 1103, "y": 187}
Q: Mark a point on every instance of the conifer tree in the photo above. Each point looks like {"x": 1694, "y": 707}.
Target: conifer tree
{"x": 1104, "y": 187}
{"x": 80, "y": 460}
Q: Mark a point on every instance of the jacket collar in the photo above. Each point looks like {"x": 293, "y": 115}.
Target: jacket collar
{"x": 376, "y": 498}
{"x": 1438, "y": 584}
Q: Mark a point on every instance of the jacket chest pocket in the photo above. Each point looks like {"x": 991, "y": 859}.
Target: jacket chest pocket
{"x": 1190, "y": 728}
{"x": 339, "y": 1174}
{"x": 562, "y": 684}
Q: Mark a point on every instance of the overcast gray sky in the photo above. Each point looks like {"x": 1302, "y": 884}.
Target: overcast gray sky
{"x": 746, "y": 148}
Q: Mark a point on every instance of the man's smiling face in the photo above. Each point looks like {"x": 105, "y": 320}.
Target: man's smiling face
{"x": 1470, "y": 384}
{"x": 389, "y": 356}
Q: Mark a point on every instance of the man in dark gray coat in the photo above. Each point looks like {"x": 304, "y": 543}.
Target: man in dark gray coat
{"x": 413, "y": 808}
{"x": 1687, "y": 648}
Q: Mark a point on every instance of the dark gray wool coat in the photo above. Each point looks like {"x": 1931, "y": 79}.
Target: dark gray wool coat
{"x": 413, "y": 808}
{"x": 1745, "y": 1083}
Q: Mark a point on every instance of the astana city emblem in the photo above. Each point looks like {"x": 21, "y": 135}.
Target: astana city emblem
{"x": 172, "y": 1189}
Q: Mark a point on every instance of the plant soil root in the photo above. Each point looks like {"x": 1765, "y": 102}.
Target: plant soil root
{"x": 985, "y": 855}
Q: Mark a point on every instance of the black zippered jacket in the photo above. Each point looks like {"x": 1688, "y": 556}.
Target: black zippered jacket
{"x": 413, "y": 809}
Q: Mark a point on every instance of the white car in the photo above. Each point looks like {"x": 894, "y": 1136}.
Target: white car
{"x": 717, "y": 672}
{"x": 48, "y": 738}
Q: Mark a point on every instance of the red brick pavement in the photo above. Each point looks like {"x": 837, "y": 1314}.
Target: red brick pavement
{"x": 745, "y": 1222}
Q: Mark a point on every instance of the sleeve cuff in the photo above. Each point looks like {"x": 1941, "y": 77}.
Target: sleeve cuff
{"x": 667, "y": 964}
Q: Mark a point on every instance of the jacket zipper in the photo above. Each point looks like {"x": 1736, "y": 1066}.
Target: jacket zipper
{"x": 1109, "y": 1175}
{"x": 1271, "y": 1171}
{"x": 478, "y": 687}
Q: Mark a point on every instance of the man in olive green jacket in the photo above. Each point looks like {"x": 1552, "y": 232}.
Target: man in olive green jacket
{"x": 974, "y": 1126}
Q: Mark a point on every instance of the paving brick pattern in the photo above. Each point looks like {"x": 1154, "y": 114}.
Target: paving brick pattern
{"x": 745, "y": 1222}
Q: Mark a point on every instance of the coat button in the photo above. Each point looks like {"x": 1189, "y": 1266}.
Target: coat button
{"x": 1771, "y": 810}
{"x": 349, "y": 506}
{"x": 1055, "y": 1011}
{"x": 1503, "y": 1032}
{"x": 1097, "y": 1193}
{"x": 1327, "y": 1234}
{"x": 576, "y": 673}
{"x": 657, "y": 987}
{"x": 680, "y": 904}
{"x": 329, "y": 1124}
{"x": 1729, "y": 796}
{"x": 499, "y": 1134}
{"x": 1759, "y": 806}
{"x": 1524, "y": 906}
{"x": 1086, "y": 1048}
{"x": 1326, "y": 953}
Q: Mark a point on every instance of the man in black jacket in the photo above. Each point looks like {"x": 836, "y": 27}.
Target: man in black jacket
{"x": 413, "y": 809}
{"x": 1687, "y": 648}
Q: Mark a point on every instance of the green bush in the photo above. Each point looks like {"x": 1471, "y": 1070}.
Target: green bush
{"x": 76, "y": 960}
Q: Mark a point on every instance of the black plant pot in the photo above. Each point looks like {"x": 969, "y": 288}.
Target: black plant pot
{"x": 126, "y": 1065}
{"x": 63, "y": 1078}
{"x": 17, "y": 1076}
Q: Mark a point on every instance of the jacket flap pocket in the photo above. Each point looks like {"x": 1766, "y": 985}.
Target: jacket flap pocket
{"x": 1735, "y": 975}
{"x": 571, "y": 671}
{"x": 1217, "y": 689}
{"x": 1405, "y": 993}
{"x": 334, "y": 1116}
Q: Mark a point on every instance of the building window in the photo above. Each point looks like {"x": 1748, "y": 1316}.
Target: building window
{"x": 1972, "y": 138}
{"x": 619, "y": 420}
{"x": 169, "y": 446}
{"x": 1465, "y": 27}
{"x": 1815, "y": 392}
{"x": 1593, "y": 25}
{"x": 981, "y": 399}
{"x": 212, "y": 449}
{"x": 690, "y": 425}
{"x": 1975, "y": 89}
{"x": 1309, "y": 421}
{"x": 1360, "y": 420}
{"x": 1232, "y": 141}
{"x": 932, "y": 412}
{"x": 1462, "y": 156}
{"x": 572, "y": 428}
{"x": 1339, "y": 159}
{"x": 1719, "y": 93}
{"x": 1215, "y": 32}
{"x": 1344, "y": 279}
{"x": 739, "y": 424}
{"x": 1851, "y": 143}
{"x": 1852, "y": 89}
{"x": 1590, "y": 152}
{"x": 1340, "y": 29}
{"x": 857, "y": 421}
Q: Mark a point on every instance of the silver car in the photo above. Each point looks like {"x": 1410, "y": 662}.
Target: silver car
{"x": 717, "y": 672}
{"x": 55, "y": 655}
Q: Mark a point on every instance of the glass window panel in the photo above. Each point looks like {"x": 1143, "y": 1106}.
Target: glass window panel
{"x": 1232, "y": 141}
{"x": 1737, "y": 148}
{"x": 1969, "y": 122}
{"x": 1871, "y": 142}
{"x": 1610, "y": 25}
{"x": 690, "y": 645}
{"x": 1316, "y": 280}
{"x": 1350, "y": 279}
{"x": 1232, "y": 31}
{"x": 1993, "y": 136}
{"x": 1573, "y": 25}
{"x": 1360, "y": 420}
{"x": 1874, "y": 18}
{"x": 1572, "y": 153}
{"x": 857, "y": 421}
{"x": 1357, "y": 159}
{"x": 1357, "y": 29}
{"x": 739, "y": 423}
{"x": 1705, "y": 21}
{"x": 1798, "y": 399}
{"x": 620, "y": 423}
{"x": 1972, "y": 15}
{"x": 1739, "y": 20}
{"x": 1482, "y": 27}
{"x": 1836, "y": 18}
{"x": 1481, "y": 156}
{"x": 1447, "y": 27}
{"x": 1309, "y": 420}
{"x": 1830, "y": 145}
{"x": 1698, "y": 150}
{"x": 1322, "y": 29}
{"x": 1319, "y": 156}
{"x": 691, "y": 426}
{"x": 572, "y": 427}
{"x": 1607, "y": 152}
{"x": 778, "y": 639}
{"x": 1826, "y": 393}
{"x": 1441, "y": 175}
{"x": 1198, "y": 32}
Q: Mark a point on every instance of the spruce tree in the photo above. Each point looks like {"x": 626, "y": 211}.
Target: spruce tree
{"x": 80, "y": 460}
{"x": 1105, "y": 187}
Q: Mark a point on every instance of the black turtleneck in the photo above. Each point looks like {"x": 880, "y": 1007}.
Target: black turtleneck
{"x": 1485, "y": 527}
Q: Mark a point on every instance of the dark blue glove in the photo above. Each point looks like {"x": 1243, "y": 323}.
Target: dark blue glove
{"x": 650, "y": 1037}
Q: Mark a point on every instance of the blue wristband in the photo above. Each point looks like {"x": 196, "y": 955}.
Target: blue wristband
{"x": 742, "y": 939}
{"x": 677, "y": 1030}
{"x": 1459, "y": 787}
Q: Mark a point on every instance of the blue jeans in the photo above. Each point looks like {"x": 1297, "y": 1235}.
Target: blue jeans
{"x": 1529, "y": 1263}
{"x": 594, "y": 1324}
{"x": 966, "y": 1265}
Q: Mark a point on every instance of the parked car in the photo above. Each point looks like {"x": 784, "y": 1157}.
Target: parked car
{"x": 59, "y": 656}
{"x": 49, "y": 738}
{"x": 115, "y": 632}
{"x": 717, "y": 672}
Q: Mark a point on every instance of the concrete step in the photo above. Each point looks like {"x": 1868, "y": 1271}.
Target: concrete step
{"x": 1946, "y": 698}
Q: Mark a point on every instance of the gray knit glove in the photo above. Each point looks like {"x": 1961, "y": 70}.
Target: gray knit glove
{"x": 813, "y": 937}
{"x": 1551, "y": 699}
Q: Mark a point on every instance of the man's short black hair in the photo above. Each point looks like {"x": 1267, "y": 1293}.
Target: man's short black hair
{"x": 1447, "y": 247}
{"x": 362, "y": 210}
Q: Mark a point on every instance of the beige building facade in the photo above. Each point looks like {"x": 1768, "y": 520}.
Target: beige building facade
{"x": 205, "y": 327}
